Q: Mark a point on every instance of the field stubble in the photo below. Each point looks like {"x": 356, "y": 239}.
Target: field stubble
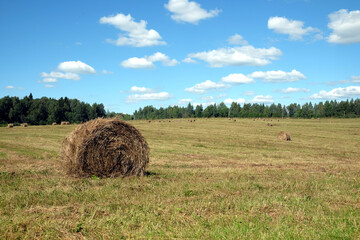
{"x": 212, "y": 178}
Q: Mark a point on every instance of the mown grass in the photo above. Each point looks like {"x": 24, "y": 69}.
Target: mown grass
{"x": 209, "y": 179}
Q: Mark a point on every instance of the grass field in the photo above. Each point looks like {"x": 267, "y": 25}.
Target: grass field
{"x": 209, "y": 179}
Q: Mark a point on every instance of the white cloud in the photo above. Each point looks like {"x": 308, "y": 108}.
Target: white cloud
{"x": 338, "y": 93}
{"x": 148, "y": 96}
{"x": 237, "y": 78}
{"x": 238, "y": 56}
{"x": 76, "y": 67}
{"x": 189, "y": 60}
{"x": 293, "y": 90}
{"x": 49, "y": 86}
{"x": 207, "y": 98}
{"x": 189, "y": 11}
{"x": 160, "y": 57}
{"x": 49, "y": 80}
{"x": 141, "y": 89}
{"x": 70, "y": 76}
{"x": 205, "y": 87}
{"x": 278, "y": 76}
{"x": 148, "y": 61}
{"x": 355, "y": 79}
{"x": 135, "y": 35}
{"x": 230, "y": 101}
{"x": 184, "y": 101}
{"x": 137, "y": 63}
{"x": 249, "y": 93}
{"x": 12, "y": 88}
{"x": 295, "y": 29}
{"x": 262, "y": 99}
{"x": 237, "y": 40}
{"x": 345, "y": 26}
{"x": 106, "y": 72}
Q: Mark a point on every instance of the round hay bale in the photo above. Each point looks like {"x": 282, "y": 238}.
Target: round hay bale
{"x": 10, "y": 125}
{"x": 284, "y": 136}
{"x": 105, "y": 148}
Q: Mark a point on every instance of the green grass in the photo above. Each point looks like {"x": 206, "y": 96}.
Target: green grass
{"x": 210, "y": 179}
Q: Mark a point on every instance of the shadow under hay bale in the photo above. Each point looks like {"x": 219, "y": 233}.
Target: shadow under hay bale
{"x": 284, "y": 136}
{"x": 105, "y": 148}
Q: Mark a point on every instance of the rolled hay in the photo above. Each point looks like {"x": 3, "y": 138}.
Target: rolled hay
{"x": 284, "y": 136}
{"x": 10, "y": 125}
{"x": 105, "y": 148}
{"x": 24, "y": 124}
{"x": 54, "y": 123}
{"x": 64, "y": 123}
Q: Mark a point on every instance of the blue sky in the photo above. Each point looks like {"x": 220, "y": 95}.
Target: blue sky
{"x": 129, "y": 54}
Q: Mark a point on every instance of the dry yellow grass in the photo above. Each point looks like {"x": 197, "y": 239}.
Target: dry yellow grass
{"x": 208, "y": 179}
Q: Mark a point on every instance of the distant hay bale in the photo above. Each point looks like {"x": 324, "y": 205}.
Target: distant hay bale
{"x": 270, "y": 125}
{"x": 64, "y": 123}
{"x": 10, "y": 125}
{"x": 54, "y": 123}
{"x": 24, "y": 124}
{"x": 234, "y": 120}
{"x": 105, "y": 148}
{"x": 284, "y": 136}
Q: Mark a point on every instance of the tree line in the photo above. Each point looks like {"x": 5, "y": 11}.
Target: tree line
{"x": 45, "y": 110}
{"x": 337, "y": 109}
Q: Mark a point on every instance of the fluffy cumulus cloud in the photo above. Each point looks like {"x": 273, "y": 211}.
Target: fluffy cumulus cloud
{"x": 148, "y": 61}
{"x": 70, "y": 70}
{"x": 189, "y": 11}
{"x": 237, "y": 40}
{"x": 137, "y": 63}
{"x": 76, "y": 67}
{"x": 57, "y": 75}
{"x": 278, "y": 76}
{"x": 205, "y": 87}
{"x": 141, "y": 89}
{"x": 295, "y": 29}
{"x": 262, "y": 99}
{"x": 134, "y": 33}
{"x": 294, "y": 90}
{"x": 345, "y": 26}
{"x": 230, "y": 101}
{"x": 161, "y": 96}
{"x": 238, "y": 56}
{"x": 189, "y": 60}
{"x": 184, "y": 101}
{"x": 237, "y": 78}
{"x": 338, "y": 93}
{"x": 355, "y": 79}
{"x": 49, "y": 80}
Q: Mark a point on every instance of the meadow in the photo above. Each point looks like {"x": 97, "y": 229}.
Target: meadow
{"x": 208, "y": 179}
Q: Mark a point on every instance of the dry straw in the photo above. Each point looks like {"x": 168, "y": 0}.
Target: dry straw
{"x": 10, "y": 125}
{"x": 105, "y": 148}
{"x": 284, "y": 136}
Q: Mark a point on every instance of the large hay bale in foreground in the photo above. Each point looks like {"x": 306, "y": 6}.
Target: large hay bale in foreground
{"x": 105, "y": 148}
{"x": 284, "y": 136}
